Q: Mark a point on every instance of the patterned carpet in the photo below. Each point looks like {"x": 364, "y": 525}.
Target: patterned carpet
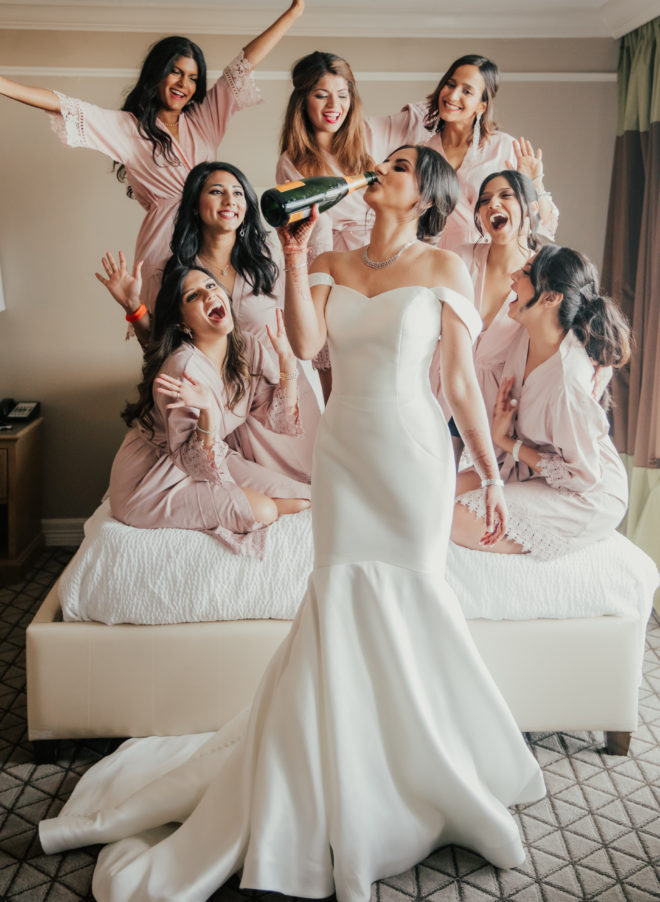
{"x": 596, "y": 836}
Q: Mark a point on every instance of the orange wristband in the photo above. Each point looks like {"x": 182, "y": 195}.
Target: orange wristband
{"x": 139, "y": 313}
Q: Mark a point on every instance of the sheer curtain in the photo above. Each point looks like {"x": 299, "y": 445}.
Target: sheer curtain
{"x": 631, "y": 274}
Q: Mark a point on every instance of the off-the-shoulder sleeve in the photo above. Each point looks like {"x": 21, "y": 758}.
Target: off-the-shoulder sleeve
{"x": 235, "y": 90}
{"x": 385, "y": 133}
{"x": 577, "y": 422}
{"x": 320, "y": 278}
{"x": 462, "y": 307}
{"x": 82, "y": 124}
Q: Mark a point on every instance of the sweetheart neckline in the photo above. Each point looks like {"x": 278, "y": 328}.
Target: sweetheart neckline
{"x": 378, "y": 294}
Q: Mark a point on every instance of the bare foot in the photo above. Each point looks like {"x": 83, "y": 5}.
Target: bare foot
{"x": 291, "y": 505}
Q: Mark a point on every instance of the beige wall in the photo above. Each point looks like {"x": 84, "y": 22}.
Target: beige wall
{"x": 61, "y": 338}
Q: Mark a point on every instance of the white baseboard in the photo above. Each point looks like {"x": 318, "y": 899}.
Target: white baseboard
{"x": 65, "y": 531}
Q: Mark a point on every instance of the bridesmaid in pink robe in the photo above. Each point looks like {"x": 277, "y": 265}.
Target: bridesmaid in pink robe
{"x": 506, "y": 214}
{"x": 564, "y": 483}
{"x": 218, "y": 226}
{"x": 201, "y": 379}
{"x": 459, "y": 115}
{"x": 155, "y": 142}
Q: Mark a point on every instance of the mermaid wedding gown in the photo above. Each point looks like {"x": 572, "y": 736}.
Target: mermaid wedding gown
{"x": 377, "y": 734}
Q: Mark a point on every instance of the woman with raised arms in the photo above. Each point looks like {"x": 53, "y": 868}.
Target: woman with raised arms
{"x": 168, "y": 123}
{"x": 202, "y": 378}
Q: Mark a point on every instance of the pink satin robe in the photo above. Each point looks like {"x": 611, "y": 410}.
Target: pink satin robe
{"x": 170, "y": 480}
{"x": 581, "y": 493}
{"x": 157, "y": 186}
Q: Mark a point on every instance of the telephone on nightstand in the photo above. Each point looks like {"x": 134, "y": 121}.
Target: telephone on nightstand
{"x": 17, "y": 412}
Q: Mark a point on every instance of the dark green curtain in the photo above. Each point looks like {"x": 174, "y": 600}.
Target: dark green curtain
{"x": 631, "y": 267}
{"x": 631, "y": 274}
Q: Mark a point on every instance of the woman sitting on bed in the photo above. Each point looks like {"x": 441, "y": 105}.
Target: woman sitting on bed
{"x": 218, "y": 226}
{"x": 202, "y": 377}
{"x": 564, "y": 483}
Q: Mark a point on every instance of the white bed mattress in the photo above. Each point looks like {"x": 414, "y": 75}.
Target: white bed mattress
{"x": 125, "y": 575}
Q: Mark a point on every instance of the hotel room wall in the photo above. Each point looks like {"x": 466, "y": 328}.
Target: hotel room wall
{"x": 62, "y": 336}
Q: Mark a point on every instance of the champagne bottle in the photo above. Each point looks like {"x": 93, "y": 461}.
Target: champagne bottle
{"x": 293, "y": 201}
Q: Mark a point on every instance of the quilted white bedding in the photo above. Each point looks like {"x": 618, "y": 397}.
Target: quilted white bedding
{"x": 125, "y": 575}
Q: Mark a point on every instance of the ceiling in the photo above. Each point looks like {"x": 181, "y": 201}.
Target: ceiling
{"x": 368, "y": 18}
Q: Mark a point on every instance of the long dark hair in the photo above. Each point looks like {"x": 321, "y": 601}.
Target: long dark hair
{"x": 491, "y": 76}
{"x": 438, "y": 189}
{"x": 593, "y": 318}
{"x": 250, "y": 255}
{"x": 167, "y": 336}
{"x": 144, "y": 99}
{"x": 525, "y": 193}
{"x": 298, "y": 140}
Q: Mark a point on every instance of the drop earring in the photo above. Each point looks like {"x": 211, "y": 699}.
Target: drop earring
{"x": 182, "y": 327}
{"x": 476, "y": 132}
{"x": 241, "y": 232}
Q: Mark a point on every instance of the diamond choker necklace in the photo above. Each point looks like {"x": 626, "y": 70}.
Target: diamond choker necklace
{"x": 380, "y": 264}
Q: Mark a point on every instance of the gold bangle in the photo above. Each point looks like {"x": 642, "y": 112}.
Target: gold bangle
{"x": 288, "y": 377}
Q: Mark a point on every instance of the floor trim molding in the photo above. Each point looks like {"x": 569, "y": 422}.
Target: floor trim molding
{"x": 65, "y": 531}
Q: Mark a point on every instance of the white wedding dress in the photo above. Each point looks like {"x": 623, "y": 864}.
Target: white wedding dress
{"x": 377, "y": 733}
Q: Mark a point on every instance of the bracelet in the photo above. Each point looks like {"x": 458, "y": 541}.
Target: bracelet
{"x": 139, "y": 313}
{"x": 297, "y": 266}
{"x": 486, "y": 482}
{"x": 206, "y": 431}
{"x": 289, "y": 377}
{"x": 515, "y": 451}
{"x": 541, "y": 194}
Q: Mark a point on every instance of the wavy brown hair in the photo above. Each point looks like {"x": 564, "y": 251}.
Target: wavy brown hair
{"x": 167, "y": 337}
{"x": 491, "y": 76}
{"x": 298, "y": 140}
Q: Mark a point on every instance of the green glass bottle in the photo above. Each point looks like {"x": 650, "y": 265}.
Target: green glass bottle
{"x": 293, "y": 201}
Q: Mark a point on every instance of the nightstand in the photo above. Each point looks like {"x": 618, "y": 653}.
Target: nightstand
{"x": 21, "y": 538}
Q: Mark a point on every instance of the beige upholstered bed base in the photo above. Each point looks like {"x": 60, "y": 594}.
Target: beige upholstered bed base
{"x": 93, "y": 680}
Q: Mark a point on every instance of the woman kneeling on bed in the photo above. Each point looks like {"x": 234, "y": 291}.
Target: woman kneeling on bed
{"x": 202, "y": 378}
{"x": 564, "y": 483}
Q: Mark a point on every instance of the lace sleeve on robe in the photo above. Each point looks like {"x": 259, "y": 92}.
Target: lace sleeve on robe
{"x": 269, "y": 403}
{"x": 240, "y": 78}
{"x": 82, "y": 124}
{"x": 200, "y": 463}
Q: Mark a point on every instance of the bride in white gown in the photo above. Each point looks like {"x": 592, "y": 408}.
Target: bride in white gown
{"x": 377, "y": 734}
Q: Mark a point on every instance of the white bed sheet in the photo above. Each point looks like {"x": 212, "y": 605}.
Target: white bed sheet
{"x": 155, "y": 576}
